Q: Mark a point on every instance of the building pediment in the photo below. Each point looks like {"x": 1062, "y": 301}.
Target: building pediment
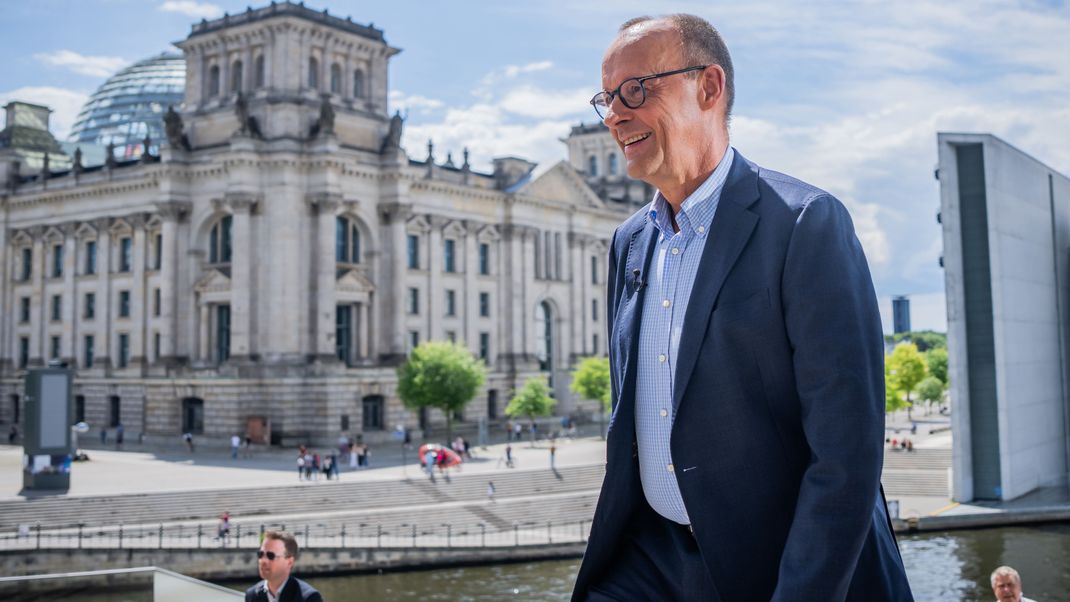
{"x": 562, "y": 184}
{"x": 488, "y": 233}
{"x": 213, "y": 282}
{"x": 354, "y": 281}
{"x": 418, "y": 223}
{"x": 85, "y": 230}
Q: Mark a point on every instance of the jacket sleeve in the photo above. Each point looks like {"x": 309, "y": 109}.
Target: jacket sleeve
{"x": 832, "y": 321}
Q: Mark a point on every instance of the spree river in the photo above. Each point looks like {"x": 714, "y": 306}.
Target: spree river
{"x": 941, "y": 567}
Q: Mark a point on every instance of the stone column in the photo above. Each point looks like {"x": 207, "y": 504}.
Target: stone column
{"x": 8, "y": 262}
{"x": 38, "y": 318}
{"x": 394, "y": 268}
{"x": 510, "y": 321}
{"x": 242, "y": 206}
{"x": 170, "y": 213}
{"x": 68, "y": 344}
{"x": 435, "y": 254}
{"x": 364, "y": 319}
{"x": 104, "y": 308}
{"x": 324, "y": 266}
{"x": 470, "y": 302}
{"x": 203, "y": 318}
{"x": 139, "y": 298}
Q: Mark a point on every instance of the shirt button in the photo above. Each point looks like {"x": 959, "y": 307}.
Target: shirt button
{"x": 666, "y": 303}
{"x": 669, "y": 467}
{"x": 701, "y": 229}
{"x": 664, "y": 412}
{"x": 661, "y": 358}
{"x": 661, "y": 237}
{"x": 675, "y": 251}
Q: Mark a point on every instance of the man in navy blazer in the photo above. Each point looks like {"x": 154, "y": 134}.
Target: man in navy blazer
{"x": 745, "y": 448}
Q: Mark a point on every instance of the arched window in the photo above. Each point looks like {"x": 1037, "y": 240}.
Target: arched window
{"x": 236, "y": 76}
{"x": 313, "y": 73}
{"x": 213, "y": 81}
{"x": 346, "y": 241}
{"x": 612, "y": 164}
{"x": 219, "y": 241}
{"x": 336, "y": 79}
{"x": 358, "y": 84}
{"x": 260, "y": 71}
{"x": 592, "y": 165}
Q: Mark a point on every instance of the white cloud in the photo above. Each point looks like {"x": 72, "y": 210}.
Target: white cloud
{"x": 197, "y": 10}
{"x": 64, "y": 103}
{"x": 531, "y": 101}
{"x": 94, "y": 66}
{"x": 414, "y": 102}
{"x": 515, "y": 70}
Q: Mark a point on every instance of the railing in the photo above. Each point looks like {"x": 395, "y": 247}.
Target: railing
{"x": 309, "y": 536}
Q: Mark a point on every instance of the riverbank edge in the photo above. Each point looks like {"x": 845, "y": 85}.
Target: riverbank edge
{"x": 982, "y": 520}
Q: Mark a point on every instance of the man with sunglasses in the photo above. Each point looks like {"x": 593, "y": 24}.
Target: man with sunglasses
{"x": 275, "y": 559}
{"x": 745, "y": 448}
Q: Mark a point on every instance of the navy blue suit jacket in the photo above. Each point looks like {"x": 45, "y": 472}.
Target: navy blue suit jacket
{"x": 778, "y": 396}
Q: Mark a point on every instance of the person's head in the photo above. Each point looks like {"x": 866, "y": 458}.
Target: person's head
{"x": 276, "y": 557}
{"x": 672, "y": 127}
{"x": 1006, "y": 584}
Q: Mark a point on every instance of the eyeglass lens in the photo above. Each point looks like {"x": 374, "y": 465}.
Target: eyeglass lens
{"x": 270, "y": 555}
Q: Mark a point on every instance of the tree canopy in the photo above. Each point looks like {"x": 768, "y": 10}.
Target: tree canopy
{"x": 590, "y": 380}
{"x": 441, "y": 375}
{"x": 533, "y": 399}
{"x": 936, "y": 360}
{"x": 905, "y": 368}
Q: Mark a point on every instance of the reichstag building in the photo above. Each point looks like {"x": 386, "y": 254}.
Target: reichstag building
{"x": 262, "y": 256}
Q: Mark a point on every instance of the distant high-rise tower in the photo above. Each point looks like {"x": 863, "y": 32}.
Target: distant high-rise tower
{"x": 901, "y": 314}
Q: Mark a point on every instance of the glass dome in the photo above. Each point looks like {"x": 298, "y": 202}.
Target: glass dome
{"x": 131, "y": 104}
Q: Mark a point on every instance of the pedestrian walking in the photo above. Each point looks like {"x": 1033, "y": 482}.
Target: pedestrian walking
{"x": 490, "y": 491}
{"x": 103, "y": 436}
{"x": 308, "y": 465}
{"x": 188, "y": 438}
{"x": 367, "y": 455}
{"x": 12, "y": 434}
{"x": 328, "y": 466}
{"x": 509, "y": 455}
{"x": 300, "y": 467}
{"x": 553, "y": 454}
{"x": 223, "y": 531}
{"x": 235, "y": 444}
{"x": 352, "y": 454}
{"x": 517, "y": 428}
{"x": 248, "y": 445}
{"x": 429, "y": 463}
{"x": 119, "y": 432}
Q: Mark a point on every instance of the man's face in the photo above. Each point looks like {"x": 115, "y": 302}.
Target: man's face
{"x": 1007, "y": 588}
{"x": 276, "y": 570}
{"x": 661, "y": 139}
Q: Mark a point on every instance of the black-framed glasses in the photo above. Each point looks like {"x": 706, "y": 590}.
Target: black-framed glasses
{"x": 269, "y": 555}
{"x": 632, "y": 92}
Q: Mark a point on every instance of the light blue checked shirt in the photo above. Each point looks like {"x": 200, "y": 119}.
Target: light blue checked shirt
{"x": 673, "y": 270}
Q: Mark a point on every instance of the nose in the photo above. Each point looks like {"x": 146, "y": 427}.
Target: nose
{"x": 616, "y": 112}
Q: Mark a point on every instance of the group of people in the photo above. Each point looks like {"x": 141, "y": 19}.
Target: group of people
{"x": 310, "y": 465}
{"x": 358, "y": 452}
{"x": 903, "y": 444}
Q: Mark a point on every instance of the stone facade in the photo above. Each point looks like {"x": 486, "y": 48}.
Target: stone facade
{"x": 593, "y": 152}
{"x": 283, "y": 254}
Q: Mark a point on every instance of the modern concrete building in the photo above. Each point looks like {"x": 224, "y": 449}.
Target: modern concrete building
{"x": 272, "y": 265}
{"x": 1006, "y": 225}
{"x": 900, "y": 314}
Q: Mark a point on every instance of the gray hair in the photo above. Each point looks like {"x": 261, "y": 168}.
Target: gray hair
{"x": 702, "y": 45}
{"x": 1005, "y": 571}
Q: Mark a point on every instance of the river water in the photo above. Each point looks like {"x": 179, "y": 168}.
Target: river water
{"x": 941, "y": 567}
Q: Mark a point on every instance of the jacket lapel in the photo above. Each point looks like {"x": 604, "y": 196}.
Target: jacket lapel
{"x": 732, "y": 227}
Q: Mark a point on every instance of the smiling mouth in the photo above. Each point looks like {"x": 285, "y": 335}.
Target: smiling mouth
{"x": 637, "y": 138}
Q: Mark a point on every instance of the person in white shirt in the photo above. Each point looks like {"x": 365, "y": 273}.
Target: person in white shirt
{"x": 1007, "y": 585}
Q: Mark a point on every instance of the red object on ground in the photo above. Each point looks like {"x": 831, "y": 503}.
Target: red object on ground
{"x": 452, "y": 459}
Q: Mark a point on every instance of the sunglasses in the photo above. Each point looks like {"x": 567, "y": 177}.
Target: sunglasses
{"x": 269, "y": 555}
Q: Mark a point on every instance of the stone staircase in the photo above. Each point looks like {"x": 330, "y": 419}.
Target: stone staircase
{"x": 922, "y": 472}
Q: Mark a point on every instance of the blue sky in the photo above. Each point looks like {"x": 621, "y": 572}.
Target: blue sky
{"x": 848, "y": 95}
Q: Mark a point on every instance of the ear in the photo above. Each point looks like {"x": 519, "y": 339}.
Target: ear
{"x": 711, "y": 88}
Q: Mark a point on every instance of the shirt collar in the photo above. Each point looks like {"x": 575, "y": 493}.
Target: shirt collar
{"x": 696, "y": 212}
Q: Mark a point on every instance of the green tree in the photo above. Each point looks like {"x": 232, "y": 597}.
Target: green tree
{"x": 924, "y": 339}
{"x": 893, "y": 399}
{"x": 590, "y": 380}
{"x": 906, "y": 368}
{"x": 936, "y": 360}
{"x": 931, "y": 390}
{"x": 533, "y": 399}
{"x": 440, "y": 375}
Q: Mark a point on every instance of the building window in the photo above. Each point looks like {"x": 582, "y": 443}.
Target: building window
{"x": 235, "y": 76}
{"x": 91, "y": 257}
{"x": 594, "y": 344}
{"x": 156, "y": 347}
{"x": 414, "y": 339}
{"x": 484, "y": 305}
{"x": 592, "y": 165}
{"x": 451, "y": 336}
{"x": 219, "y": 241}
{"x": 54, "y": 348}
{"x": 57, "y": 308}
{"x": 87, "y": 351}
{"x": 213, "y": 81}
{"x": 313, "y": 73}
{"x": 156, "y": 302}
{"x": 594, "y": 309}
{"x": 124, "y": 350}
{"x": 336, "y": 79}
{"x": 346, "y": 241}
{"x": 24, "y": 351}
{"x": 157, "y": 252}
{"x": 372, "y": 409}
{"x": 222, "y": 333}
{"x": 24, "y": 309}
{"x": 343, "y": 422}
{"x": 414, "y": 252}
{"x": 358, "y": 84}
{"x": 57, "y": 261}
{"x": 89, "y": 308}
{"x": 343, "y": 333}
{"x": 484, "y": 346}
{"x": 79, "y": 408}
{"x": 544, "y": 344}
{"x": 260, "y": 71}
{"x": 27, "y": 264}
{"x": 414, "y": 301}
{"x": 115, "y": 408}
{"x": 612, "y": 164}
{"x": 484, "y": 258}
{"x": 124, "y": 304}
{"x": 126, "y": 253}
{"x": 449, "y": 259}
{"x": 492, "y": 404}
{"x": 594, "y": 269}
{"x": 451, "y": 303}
